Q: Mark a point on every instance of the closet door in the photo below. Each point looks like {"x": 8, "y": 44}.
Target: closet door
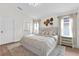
{"x": 1, "y": 33}
{"x": 7, "y": 30}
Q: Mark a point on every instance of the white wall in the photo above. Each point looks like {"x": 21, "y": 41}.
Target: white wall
{"x": 27, "y": 29}
{"x": 78, "y": 30}
{"x": 18, "y": 28}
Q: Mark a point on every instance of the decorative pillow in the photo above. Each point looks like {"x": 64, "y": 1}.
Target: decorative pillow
{"x": 49, "y": 32}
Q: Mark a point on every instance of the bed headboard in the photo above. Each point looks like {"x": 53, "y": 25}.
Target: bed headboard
{"x": 49, "y": 31}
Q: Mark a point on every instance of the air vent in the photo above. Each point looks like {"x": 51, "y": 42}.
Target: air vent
{"x": 19, "y": 8}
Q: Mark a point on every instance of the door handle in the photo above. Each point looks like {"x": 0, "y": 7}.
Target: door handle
{"x": 1, "y": 31}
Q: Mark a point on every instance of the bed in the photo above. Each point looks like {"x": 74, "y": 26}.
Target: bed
{"x": 40, "y": 45}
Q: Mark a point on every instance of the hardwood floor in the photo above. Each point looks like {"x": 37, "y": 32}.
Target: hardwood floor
{"x": 71, "y": 51}
{"x": 4, "y": 51}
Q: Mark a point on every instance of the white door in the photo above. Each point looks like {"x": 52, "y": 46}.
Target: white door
{"x": 6, "y": 30}
{"x": 1, "y": 40}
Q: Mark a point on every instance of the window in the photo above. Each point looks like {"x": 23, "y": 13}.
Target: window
{"x": 28, "y": 27}
{"x": 66, "y": 27}
{"x": 31, "y": 27}
{"x": 36, "y": 27}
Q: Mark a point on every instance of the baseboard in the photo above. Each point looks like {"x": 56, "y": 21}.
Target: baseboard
{"x": 9, "y": 43}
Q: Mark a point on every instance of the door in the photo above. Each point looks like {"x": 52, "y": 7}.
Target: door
{"x": 1, "y": 40}
{"x": 6, "y": 30}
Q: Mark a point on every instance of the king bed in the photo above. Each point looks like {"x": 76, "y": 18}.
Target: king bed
{"x": 40, "y": 45}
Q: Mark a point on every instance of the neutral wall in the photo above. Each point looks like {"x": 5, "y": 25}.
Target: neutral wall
{"x": 26, "y": 29}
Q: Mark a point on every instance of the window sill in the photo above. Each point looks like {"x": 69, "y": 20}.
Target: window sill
{"x": 66, "y": 36}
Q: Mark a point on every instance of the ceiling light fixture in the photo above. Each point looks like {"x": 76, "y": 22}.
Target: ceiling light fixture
{"x": 34, "y": 4}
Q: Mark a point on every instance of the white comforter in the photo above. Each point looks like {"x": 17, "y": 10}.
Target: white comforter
{"x": 39, "y": 44}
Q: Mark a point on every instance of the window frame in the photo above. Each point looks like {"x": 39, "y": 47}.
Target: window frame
{"x": 70, "y": 27}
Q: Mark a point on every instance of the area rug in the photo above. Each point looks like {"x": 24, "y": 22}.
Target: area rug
{"x": 21, "y": 51}
{"x": 58, "y": 51}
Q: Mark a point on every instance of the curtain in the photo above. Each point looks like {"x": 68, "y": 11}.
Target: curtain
{"x": 74, "y": 29}
{"x": 36, "y": 26}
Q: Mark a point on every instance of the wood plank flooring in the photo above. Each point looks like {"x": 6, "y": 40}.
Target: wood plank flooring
{"x": 71, "y": 51}
{"x": 4, "y": 51}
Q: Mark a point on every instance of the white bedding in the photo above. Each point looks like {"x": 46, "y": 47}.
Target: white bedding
{"x": 40, "y": 45}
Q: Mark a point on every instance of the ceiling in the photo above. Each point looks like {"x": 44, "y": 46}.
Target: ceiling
{"x": 47, "y": 9}
{"x": 43, "y": 10}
